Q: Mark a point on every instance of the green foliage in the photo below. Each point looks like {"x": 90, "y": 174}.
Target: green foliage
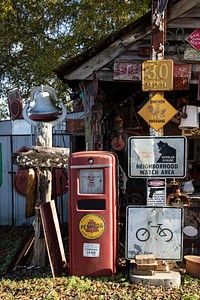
{"x": 37, "y": 36}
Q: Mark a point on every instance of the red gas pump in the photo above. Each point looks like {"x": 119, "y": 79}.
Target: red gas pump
{"x": 93, "y": 207}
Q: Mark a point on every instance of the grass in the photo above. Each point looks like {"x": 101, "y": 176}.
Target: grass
{"x": 31, "y": 283}
{"x": 10, "y": 240}
{"x": 38, "y": 284}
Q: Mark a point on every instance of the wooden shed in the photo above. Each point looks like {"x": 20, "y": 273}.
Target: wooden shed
{"x": 107, "y": 81}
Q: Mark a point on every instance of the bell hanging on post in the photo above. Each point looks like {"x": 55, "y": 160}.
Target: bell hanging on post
{"x": 44, "y": 108}
{"x": 44, "y": 111}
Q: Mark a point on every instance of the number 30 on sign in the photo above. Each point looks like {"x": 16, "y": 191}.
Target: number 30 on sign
{"x": 157, "y": 75}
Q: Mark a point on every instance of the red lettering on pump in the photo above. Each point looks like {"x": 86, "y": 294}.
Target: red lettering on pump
{"x": 91, "y": 226}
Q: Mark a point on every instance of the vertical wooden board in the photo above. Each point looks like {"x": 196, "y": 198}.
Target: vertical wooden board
{"x": 57, "y": 227}
{"x": 53, "y": 237}
{"x": 31, "y": 190}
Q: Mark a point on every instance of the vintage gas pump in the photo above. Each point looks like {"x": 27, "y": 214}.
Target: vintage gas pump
{"x": 93, "y": 207}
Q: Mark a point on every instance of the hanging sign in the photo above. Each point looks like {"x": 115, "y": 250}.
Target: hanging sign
{"x": 157, "y": 230}
{"x": 157, "y": 156}
{"x": 181, "y": 83}
{"x": 21, "y": 176}
{"x": 156, "y": 191}
{"x": 127, "y": 70}
{"x": 184, "y": 70}
{"x": 194, "y": 39}
{"x": 157, "y": 75}
{"x": 191, "y": 55}
{"x": 157, "y": 112}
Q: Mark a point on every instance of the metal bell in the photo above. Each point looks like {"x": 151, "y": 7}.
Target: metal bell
{"x": 43, "y": 104}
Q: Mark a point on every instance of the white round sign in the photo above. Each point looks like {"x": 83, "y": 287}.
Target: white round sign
{"x": 190, "y": 230}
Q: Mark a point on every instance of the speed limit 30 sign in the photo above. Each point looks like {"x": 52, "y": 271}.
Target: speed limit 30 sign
{"x": 157, "y": 75}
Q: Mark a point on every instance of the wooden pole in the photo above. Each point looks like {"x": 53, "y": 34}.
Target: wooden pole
{"x": 44, "y": 175}
{"x": 158, "y": 40}
{"x": 44, "y": 190}
{"x": 88, "y": 104}
{"x": 157, "y": 45}
{"x": 158, "y": 31}
{"x": 43, "y": 158}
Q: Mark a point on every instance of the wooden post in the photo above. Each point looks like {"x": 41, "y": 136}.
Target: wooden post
{"x": 44, "y": 189}
{"x": 158, "y": 32}
{"x": 88, "y": 104}
{"x": 43, "y": 158}
{"x": 158, "y": 41}
{"x": 44, "y": 176}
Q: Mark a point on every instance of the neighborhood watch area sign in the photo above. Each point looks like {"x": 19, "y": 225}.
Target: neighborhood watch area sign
{"x": 157, "y": 156}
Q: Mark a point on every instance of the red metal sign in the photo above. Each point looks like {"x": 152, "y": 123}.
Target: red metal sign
{"x": 127, "y": 70}
{"x": 183, "y": 71}
{"x": 194, "y": 39}
{"x": 20, "y": 179}
{"x": 181, "y": 83}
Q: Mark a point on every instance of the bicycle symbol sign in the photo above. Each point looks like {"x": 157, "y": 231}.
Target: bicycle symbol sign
{"x": 143, "y": 234}
{"x": 154, "y": 229}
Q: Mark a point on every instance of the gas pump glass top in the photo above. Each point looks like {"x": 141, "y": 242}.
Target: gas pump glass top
{"x": 91, "y": 181}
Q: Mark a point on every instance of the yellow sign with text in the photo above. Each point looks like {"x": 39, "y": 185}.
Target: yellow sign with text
{"x": 157, "y": 112}
{"x": 157, "y": 75}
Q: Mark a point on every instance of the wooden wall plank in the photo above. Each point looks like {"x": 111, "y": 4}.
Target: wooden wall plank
{"x": 181, "y": 7}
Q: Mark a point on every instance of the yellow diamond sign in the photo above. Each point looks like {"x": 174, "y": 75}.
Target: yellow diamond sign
{"x": 157, "y": 112}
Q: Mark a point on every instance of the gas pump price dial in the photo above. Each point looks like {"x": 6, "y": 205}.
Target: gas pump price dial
{"x": 91, "y": 181}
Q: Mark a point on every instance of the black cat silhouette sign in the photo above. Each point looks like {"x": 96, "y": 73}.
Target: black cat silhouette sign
{"x": 157, "y": 156}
